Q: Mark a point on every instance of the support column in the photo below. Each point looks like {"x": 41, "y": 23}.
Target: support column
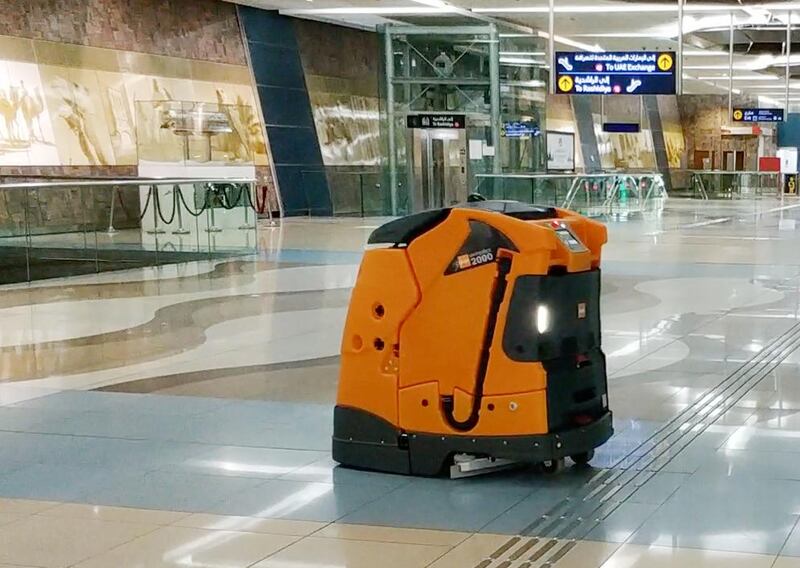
{"x": 679, "y": 82}
{"x": 494, "y": 72}
{"x": 390, "y": 118}
{"x": 788, "y": 57}
{"x": 730, "y": 68}
{"x": 551, "y": 43}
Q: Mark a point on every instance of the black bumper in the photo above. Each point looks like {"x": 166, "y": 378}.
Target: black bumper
{"x": 364, "y": 441}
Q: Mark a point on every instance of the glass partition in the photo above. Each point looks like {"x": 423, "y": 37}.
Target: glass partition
{"x": 53, "y": 229}
{"x": 590, "y": 194}
{"x": 490, "y": 83}
{"x": 715, "y": 184}
{"x": 354, "y": 193}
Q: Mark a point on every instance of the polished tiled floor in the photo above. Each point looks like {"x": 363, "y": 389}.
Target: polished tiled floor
{"x": 182, "y": 416}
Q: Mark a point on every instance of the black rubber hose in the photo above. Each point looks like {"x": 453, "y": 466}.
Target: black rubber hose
{"x": 227, "y": 202}
{"x": 250, "y": 201}
{"x": 235, "y": 202}
{"x": 498, "y": 294}
{"x": 158, "y": 206}
{"x": 220, "y": 195}
{"x": 188, "y": 209}
{"x": 146, "y": 203}
{"x": 261, "y": 204}
{"x": 122, "y": 203}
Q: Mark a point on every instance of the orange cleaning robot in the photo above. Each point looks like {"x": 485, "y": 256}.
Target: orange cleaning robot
{"x": 474, "y": 332}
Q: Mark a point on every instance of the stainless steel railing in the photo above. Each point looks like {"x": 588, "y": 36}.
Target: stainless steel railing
{"x": 595, "y": 194}
{"x": 723, "y": 184}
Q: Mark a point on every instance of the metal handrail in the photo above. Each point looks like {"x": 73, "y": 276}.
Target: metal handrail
{"x": 643, "y": 188}
{"x": 544, "y": 175}
{"x": 739, "y": 180}
{"x": 733, "y": 173}
{"x": 119, "y": 182}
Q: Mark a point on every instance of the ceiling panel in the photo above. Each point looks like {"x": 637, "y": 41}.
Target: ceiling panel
{"x": 327, "y": 4}
{"x": 604, "y": 24}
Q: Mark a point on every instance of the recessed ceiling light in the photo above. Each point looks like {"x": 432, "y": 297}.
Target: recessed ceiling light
{"x": 638, "y": 7}
{"x": 572, "y": 43}
{"x": 433, "y": 3}
{"x": 623, "y": 35}
{"x": 377, "y": 10}
{"x": 704, "y": 53}
{"x": 522, "y": 61}
{"x": 742, "y": 78}
{"x": 716, "y": 67}
{"x": 524, "y": 53}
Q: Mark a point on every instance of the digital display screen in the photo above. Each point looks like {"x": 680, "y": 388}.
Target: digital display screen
{"x": 758, "y": 115}
{"x": 520, "y": 129}
{"x": 570, "y": 240}
{"x": 615, "y": 73}
{"x": 621, "y": 127}
{"x": 448, "y": 121}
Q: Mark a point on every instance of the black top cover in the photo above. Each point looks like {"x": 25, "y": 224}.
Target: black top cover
{"x": 404, "y": 230}
{"x": 516, "y": 209}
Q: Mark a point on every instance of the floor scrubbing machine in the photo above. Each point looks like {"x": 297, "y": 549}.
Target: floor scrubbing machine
{"x": 473, "y": 341}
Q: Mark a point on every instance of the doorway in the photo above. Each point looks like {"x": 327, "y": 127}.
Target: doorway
{"x": 703, "y": 160}
{"x": 733, "y": 160}
{"x": 438, "y": 164}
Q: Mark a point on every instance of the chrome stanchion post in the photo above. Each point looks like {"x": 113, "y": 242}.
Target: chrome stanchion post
{"x": 155, "y": 200}
{"x": 28, "y": 235}
{"x": 94, "y": 230}
{"x": 111, "y": 230}
{"x": 83, "y": 218}
{"x": 268, "y": 207}
{"x": 252, "y": 187}
{"x": 177, "y": 199}
{"x": 212, "y": 223}
{"x": 196, "y": 217}
{"x": 361, "y": 192}
{"x": 588, "y": 197}
{"x": 246, "y": 205}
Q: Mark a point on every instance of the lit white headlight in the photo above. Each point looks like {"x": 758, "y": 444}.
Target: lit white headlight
{"x": 542, "y": 319}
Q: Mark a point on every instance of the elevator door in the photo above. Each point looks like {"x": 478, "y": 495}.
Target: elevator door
{"x": 733, "y": 160}
{"x": 439, "y": 168}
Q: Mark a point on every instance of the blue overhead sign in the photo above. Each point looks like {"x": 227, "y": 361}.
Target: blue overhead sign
{"x": 520, "y": 129}
{"x": 621, "y": 127}
{"x": 615, "y": 73}
{"x": 758, "y": 115}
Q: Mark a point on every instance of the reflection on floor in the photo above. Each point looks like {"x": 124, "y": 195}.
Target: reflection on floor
{"x": 181, "y": 416}
{"x": 313, "y": 380}
{"x": 18, "y": 264}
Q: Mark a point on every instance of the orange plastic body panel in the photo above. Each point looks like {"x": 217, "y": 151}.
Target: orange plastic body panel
{"x": 369, "y": 375}
{"x": 505, "y": 415}
{"x": 442, "y": 338}
{"x": 438, "y": 323}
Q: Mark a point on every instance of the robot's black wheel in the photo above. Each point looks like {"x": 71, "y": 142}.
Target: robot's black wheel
{"x": 583, "y": 459}
{"x": 553, "y": 466}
